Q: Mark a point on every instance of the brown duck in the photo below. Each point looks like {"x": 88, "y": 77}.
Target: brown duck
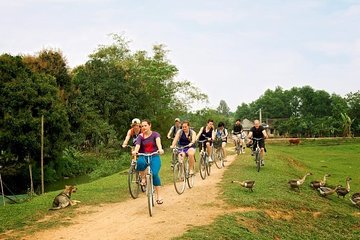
{"x": 342, "y": 191}
{"x": 326, "y": 191}
{"x": 321, "y": 183}
{"x": 355, "y": 199}
{"x": 246, "y": 184}
{"x": 296, "y": 183}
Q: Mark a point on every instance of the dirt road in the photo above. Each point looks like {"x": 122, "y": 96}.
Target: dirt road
{"x": 130, "y": 219}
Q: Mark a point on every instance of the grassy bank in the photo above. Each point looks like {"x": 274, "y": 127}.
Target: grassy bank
{"x": 281, "y": 213}
{"x": 109, "y": 189}
{"x": 273, "y": 211}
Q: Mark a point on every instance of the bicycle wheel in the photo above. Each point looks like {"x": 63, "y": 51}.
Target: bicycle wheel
{"x": 174, "y": 158}
{"x": 202, "y": 166}
{"x": 133, "y": 182}
{"x": 238, "y": 149}
{"x": 208, "y": 166}
{"x": 218, "y": 159}
{"x": 150, "y": 193}
{"x": 258, "y": 162}
{"x": 190, "y": 178}
{"x": 222, "y": 155}
{"x": 179, "y": 178}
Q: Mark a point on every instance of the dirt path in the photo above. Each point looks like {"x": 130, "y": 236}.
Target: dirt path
{"x": 130, "y": 219}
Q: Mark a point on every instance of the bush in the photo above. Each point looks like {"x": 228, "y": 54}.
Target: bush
{"x": 107, "y": 167}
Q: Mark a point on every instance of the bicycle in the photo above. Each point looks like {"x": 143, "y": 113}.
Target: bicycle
{"x": 257, "y": 153}
{"x": 217, "y": 153}
{"x": 149, "y": 181}
{"x": 237, "y": 143}
{"x": 134, "y": 179}
{"x": 204, "y": 164}
{"x": 181, "y": 172}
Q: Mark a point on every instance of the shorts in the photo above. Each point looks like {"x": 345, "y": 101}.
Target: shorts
{"x": 261, "y": 144}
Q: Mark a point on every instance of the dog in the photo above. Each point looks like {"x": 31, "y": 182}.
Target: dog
{"x": 63, "y": 199}
{"x": 294, "y": 141}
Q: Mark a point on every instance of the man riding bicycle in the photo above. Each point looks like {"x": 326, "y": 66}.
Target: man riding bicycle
{"x": 258, "y": 131}
{"x": 186, "y": 137}
{"x": 173, "y": 130}
{"x": 237, "y": 135}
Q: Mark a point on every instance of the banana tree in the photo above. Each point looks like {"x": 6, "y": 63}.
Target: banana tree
{"x": 347, "y": 122}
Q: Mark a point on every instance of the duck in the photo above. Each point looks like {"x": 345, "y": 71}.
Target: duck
{"x": 246, "y": 184}
{"x": 326, "y": 191}
{"x": 316, "y": 184}
{"x": 355, "y": 199}
{"x": 342, "y": 191}
{"x": 296, "y": 183}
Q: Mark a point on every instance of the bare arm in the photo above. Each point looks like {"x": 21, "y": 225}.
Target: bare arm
{"x": 265, "y": 134}
{"x": 176, "y": 139}
{"x": 169, "y": 133}
{"x": 159, "y": 146}
{"x": 199, "y": 133}
{"x": 136, "y": 149}
{"x": 193, "y": 137}
{"x": 250, "y": 134}
{"x": 127, "y": 138}
{"x": 213, "y": 135}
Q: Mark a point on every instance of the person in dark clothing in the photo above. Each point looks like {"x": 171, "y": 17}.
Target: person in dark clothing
{"x": 258, "y": 131}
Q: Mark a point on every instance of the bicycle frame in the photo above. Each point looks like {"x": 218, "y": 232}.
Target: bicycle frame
{"x": 149, "y": 181}
{"x": 257, "y": 153}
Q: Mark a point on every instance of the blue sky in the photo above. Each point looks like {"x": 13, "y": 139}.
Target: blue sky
{"x": 231, "y": 50}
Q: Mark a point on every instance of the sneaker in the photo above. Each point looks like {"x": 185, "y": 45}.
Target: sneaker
{"x": 210, "y": 159}
{"x": 262, "y": 162}
{"x": 191, "y": 172}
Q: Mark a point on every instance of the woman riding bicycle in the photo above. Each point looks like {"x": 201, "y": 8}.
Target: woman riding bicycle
{"x": 207, "y": 133}
{"x": 186, "y": 137}
{"x": 148, "y": 142}
{"x": 222, "y": 133}
{"x": 258, "y": 131}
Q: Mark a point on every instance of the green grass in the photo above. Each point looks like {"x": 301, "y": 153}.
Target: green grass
{"x": 274, "y": 211}
{"x": 281, "y": 213}
{"x": 109, "y": 189}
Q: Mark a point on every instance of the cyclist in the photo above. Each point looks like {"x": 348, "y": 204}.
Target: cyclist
{"x": 222, "y": 133}
{"x": 207, "y": 133}
{"x": 147, "y": 142}
{"x": 186, "y": 137}
{"x": 236, "y": 134}
{"x": 132, "y": 133}
{"x": 173, "y": 130}
{"x": 258, "y": 131}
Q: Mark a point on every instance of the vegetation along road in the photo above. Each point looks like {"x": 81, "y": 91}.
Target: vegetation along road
{"x": 216, "y": 208}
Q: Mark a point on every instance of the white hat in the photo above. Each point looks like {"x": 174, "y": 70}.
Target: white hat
{"x": 177, "y": 119}
{"x": 135, "y": 121}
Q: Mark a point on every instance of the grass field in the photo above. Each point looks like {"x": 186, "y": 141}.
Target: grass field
{"x": 281, "y": 213}
{"x": 273, "y": 210}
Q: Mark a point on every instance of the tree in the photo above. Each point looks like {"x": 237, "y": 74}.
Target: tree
{"x": 347, "y": 122}
{"x": 25, "y": 97}
{"x": 223, "y": 108}
{"x": 353, "y": 101}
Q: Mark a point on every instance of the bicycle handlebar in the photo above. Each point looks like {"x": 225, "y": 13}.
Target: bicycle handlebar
{"x": 257, "y": 139}
{"x": 148, "y": 154}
